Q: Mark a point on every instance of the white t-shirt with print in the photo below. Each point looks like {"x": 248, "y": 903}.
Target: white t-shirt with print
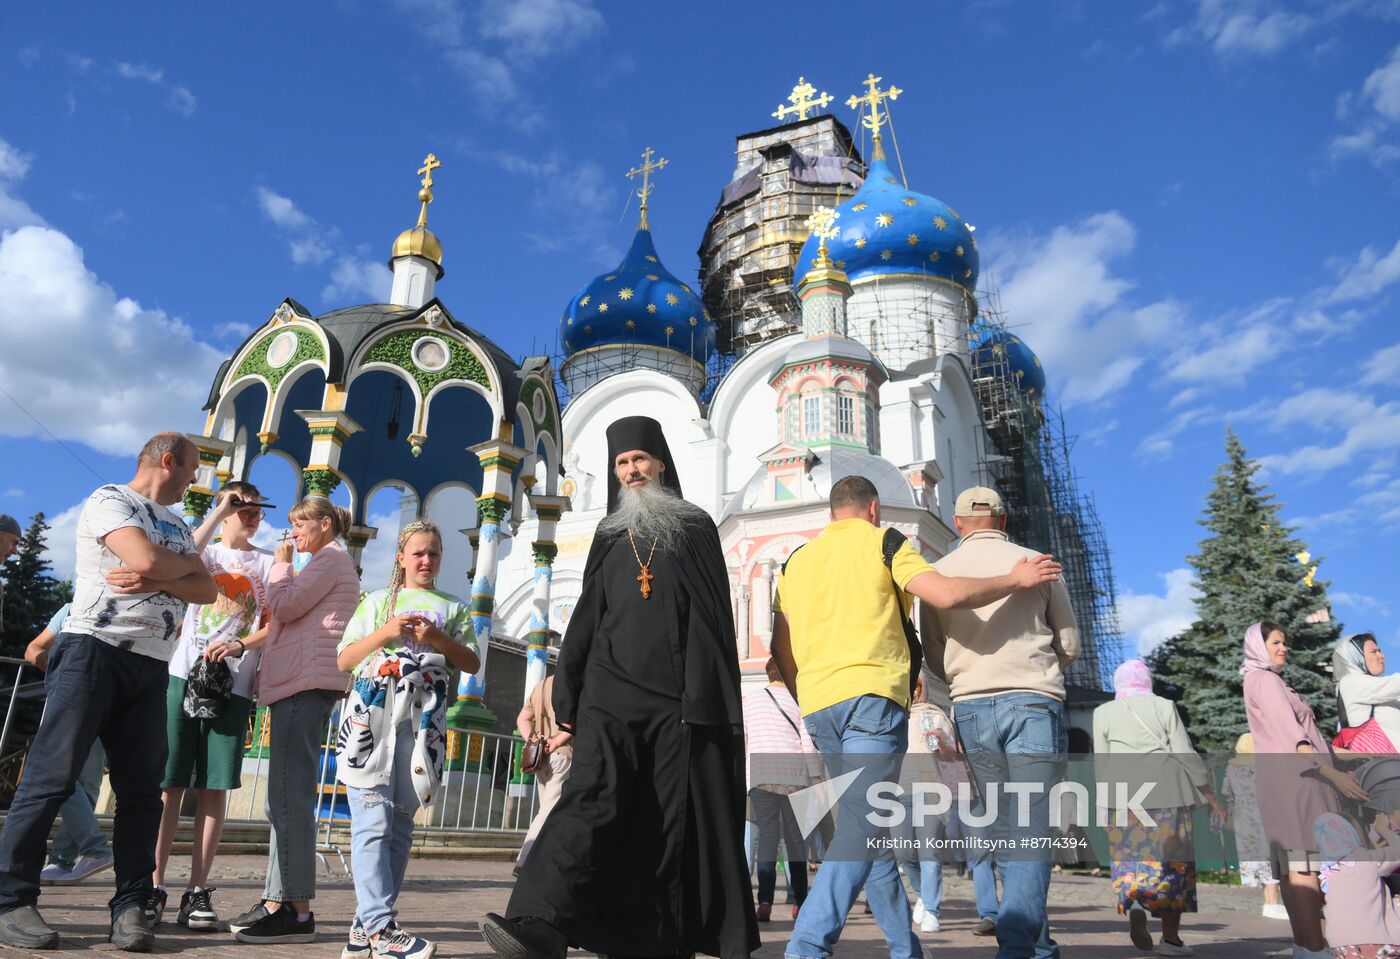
{"x": 241, "y": 575}
{"x": 144, "y": 623}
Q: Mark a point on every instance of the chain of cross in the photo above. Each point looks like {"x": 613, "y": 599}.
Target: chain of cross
{"x": 873, "y": 98}
{"x": 803, "y": 101}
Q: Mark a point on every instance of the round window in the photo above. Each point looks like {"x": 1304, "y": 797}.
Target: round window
{"x": 281, "y": 350}
{"x": 430, "y": 354}
{"x": 538, "y": 404}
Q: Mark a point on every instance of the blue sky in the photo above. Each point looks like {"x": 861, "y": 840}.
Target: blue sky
{"x": 1190, "y": 210}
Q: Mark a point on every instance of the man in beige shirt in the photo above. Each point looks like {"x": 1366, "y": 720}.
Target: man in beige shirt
{"x": 1005, "y": 666}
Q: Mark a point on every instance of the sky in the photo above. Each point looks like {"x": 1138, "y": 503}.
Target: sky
{"x": 1190, "y": 210}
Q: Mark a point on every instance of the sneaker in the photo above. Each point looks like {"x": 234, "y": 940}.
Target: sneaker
{"x": 53, "y": 873}
{"x": 1137, "y": 927}
{"x": 279, "y": 926}
{"x": 197, "y": 911}
{"x": 919, "y": 912}
{"x": 1165, "y": 948}
{"x": 764, "y": 911}
{"x": 131, "y": 931}
{"x": 929, "y": 923}
{"x": 396, "y": 943}
{"x": 525, "y": 937}
{"x": 24, "y": 928}
{"x": 357, "y": 946}
{"x": 1274, "y": 910}
{"x": 985, "y": 927}
{"x": 244, "y": 920}
{"x": 155, "y": 906}
{"x": 86, "y": 866}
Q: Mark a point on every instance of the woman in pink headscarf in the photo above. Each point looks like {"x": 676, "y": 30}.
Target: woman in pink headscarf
{"x": 1297, "y": 781}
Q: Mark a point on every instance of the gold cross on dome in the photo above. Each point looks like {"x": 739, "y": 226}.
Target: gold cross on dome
{"x": 645, "y": 171}
{"x": 430, "y": 163}
{"x": 802, "y": 100}
{"x": 822, "y": 224}
{"x": 873, "y": 98}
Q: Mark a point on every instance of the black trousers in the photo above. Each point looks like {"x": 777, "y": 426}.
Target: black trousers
{"x": 94, "y": 690}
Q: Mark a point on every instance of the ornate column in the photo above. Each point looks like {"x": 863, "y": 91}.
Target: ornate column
{"x": 498, "y": 462}
{"x": 548, "y": 509}
{"x": 200, "y": 496}
{"x": 356, "y": 539}
{"x": 329, "y": 430}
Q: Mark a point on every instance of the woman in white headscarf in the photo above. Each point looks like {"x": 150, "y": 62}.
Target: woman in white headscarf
{"x": 1365, "y": 693}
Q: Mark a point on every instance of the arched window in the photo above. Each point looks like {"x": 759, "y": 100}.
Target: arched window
{"x": 811, "y": 415}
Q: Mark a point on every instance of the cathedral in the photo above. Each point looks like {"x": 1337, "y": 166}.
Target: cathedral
{"x": 834, "y": 327}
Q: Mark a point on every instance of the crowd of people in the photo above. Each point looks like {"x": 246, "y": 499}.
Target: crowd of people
{"x": 664, "y": 786}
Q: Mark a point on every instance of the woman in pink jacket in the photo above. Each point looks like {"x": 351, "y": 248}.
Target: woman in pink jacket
{"x": 300, "y": 684}
{"x": 1296, "y": 781}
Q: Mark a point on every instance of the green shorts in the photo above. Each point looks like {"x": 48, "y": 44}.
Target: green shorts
{"x": 204, "y": 753}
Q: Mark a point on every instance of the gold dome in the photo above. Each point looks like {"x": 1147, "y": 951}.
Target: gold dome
{"x": 419, "y": 241}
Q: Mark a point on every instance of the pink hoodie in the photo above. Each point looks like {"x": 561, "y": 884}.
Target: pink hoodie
{"x": 309, "y": 610}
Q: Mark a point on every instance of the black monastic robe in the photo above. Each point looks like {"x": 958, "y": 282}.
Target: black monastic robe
{"x": 643, "y": 855}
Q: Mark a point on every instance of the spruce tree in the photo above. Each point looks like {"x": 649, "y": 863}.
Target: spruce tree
{"x": 32, "y": 593}
{"x": 1247, "y": 570}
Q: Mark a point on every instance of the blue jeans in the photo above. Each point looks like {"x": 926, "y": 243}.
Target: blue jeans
{"x": 1017, "y": 737}
{"x": 93, "y": 690}
{"x": 79, "y": 835}
{"x": 381, "y": 835}
{"x": 984, "y": 888}
{"x": 870, "y": 732}
{"x": 299, "y": 725}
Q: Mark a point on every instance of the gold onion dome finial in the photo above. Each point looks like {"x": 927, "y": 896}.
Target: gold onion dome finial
{"x": 645, "y": 171}
{"x": 876, "y": 118}
{"x": 421, "y": 241}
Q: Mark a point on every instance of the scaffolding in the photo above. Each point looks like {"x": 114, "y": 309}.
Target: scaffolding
{"x": 753, "y": 241}
{"x": 1026, "y": 456}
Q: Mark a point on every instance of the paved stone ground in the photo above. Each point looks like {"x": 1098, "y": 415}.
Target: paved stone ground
{"x": 444, "y": 899}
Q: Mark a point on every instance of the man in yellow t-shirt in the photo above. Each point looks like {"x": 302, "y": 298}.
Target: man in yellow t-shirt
{"x": 840, "y": 644}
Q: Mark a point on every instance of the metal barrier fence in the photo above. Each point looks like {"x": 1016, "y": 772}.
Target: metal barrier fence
{"x": 481, "y": 788}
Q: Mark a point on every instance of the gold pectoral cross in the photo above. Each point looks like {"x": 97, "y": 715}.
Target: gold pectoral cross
{"x": 645, "y": 578}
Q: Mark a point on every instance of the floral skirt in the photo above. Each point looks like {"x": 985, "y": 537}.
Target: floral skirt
{"x": 1156, "y": 866}
{"x": 1366, "y": 952}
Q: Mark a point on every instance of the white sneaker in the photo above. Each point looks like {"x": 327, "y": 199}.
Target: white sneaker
{"x": 919, "y": 911}
{"x": 929, "y": 923}
{"x": 51, "y": 874}
{"x": 1274, "y": 910}
{"x": 1165, "y": 948}
{"x": 86, "y": 866}
{"x": 1137, "y": 927}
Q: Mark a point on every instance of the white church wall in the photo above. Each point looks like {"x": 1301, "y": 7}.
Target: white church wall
{"x": 906, "y": 319}
{"x": 743, "y": 413}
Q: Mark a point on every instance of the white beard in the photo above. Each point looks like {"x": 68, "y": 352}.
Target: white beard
{"x": 650, "y": 511}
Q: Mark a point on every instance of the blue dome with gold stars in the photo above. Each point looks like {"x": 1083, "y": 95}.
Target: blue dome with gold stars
{"x": 887, "y": 229}
{"x": 639, "y": 303}
{"x": 991, "y": 347}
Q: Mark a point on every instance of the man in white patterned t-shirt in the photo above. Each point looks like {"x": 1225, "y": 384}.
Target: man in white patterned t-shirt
{"x": 136, "y": 569}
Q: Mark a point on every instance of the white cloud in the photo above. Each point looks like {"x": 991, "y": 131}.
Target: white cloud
{"x": 13, "y": 493}
{"x": 1367, "y": 429}
{"x": 1377, "y": 113}
{"x": 377, "y": 560}
{"x": 178, "y": 97}
{"x": 61, "y": 544}
{"x": 139, "y": 71}
{"x": 493, "y": 44}
{"x": 574, "y": 202}
{"x": 149, "y": 364}
{"x": 14, "y": 212}
{"x": 1230, "y": 351}
{"x": 359, "y": 279}
{"x": 1383, "y": 367}
{"x": 1361, "y": 602}
{"x": 233, "y": 330}
{"x": 1151, "y": 619}
{"x": 1240, "y": 28}
{"x": 29, "y": 56}
{"x": 1161, "y": 444}
{"x": 79, "y": 64}
{"x": 354, "y": 275}
{"x": 1090, "y": 339}
{"x": 280, "y": 209}
{"x": 1366, "y": 276}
